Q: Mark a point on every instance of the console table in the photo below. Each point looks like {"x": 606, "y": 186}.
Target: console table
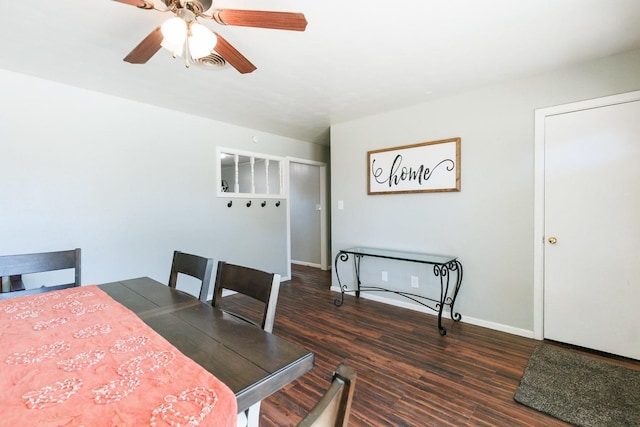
{"x": 443, "y": 267}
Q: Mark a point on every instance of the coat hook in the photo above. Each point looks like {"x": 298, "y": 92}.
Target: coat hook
{"x": 230, "y": 203}
{"x": 249, "y": 204}
{"x": 278, "y": 203}
{"x": 263, "y": 204}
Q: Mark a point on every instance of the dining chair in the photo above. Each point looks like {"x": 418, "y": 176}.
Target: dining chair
{"x": 258, "y": 285}
{"x": 14, "y": 266}
{"x": 334, "y": 407}
{"x": 194, "y": 266}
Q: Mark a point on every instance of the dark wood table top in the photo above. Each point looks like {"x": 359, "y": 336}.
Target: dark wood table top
{"x": 253, "y": 363}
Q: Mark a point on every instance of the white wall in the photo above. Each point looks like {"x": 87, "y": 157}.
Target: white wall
{"x": 489, "y": 224}
{"x": 127, "y": 182}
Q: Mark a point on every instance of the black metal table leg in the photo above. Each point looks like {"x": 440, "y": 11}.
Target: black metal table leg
{"x": 457, "y": 267}
{"x": 356, "y": 266}
{"x": 342, "y": 256}
{"x": 442, "y": 271}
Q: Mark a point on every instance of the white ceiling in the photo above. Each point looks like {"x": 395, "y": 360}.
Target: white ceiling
{"x": 356, "y": 57}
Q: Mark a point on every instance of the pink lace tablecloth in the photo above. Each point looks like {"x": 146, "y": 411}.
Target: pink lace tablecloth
{"x": 76, "y": 357}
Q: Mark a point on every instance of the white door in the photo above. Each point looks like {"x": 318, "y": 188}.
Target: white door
{"x": 592, "y": 228}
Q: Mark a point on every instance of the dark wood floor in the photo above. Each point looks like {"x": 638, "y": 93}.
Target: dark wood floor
{"x": 408, "y": 375}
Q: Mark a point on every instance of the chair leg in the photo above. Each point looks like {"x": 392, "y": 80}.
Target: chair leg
{"x": 250, "y": 417}
{"x": 242, "y": 419}
{"x": 253, "y": 415}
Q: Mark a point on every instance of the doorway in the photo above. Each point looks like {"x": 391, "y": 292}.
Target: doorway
{"x": 587, "y": 256}
{"x": 307, "y": 217}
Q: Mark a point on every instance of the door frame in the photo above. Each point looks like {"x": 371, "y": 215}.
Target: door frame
{"x": 539, "y": 208}
{"x": 324, "y": 211}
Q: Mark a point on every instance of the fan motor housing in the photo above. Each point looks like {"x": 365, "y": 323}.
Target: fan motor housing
{"x": 196, "y": 6}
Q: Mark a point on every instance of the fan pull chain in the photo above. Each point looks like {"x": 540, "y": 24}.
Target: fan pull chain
{"x": 187, "y": 54}
{"x": 187, "y": 51}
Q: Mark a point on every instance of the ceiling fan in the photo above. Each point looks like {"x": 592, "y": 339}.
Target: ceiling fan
{"x": 183, "y": 34}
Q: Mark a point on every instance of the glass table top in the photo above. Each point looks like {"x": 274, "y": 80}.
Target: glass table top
{"x": 401, "y": 255}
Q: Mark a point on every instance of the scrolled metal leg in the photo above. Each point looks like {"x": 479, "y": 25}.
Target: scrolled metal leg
{"x": 342, "y": 257}
{"x": 356, "y": 266}
{"x": 457, "y": 267}
{"x": 442, "y": 271}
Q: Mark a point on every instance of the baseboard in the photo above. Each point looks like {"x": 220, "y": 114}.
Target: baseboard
{"x": 465, "y": 319}
{"x": 307, "y": 264}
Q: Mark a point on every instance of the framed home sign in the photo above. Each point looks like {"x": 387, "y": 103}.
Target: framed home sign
{"x": 426, "y": 167}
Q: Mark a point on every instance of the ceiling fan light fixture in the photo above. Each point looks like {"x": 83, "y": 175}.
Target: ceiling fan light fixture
{"x": 201, "y": 41}
{"x": 174, "y": 31}
{"x": 184, "y": 35}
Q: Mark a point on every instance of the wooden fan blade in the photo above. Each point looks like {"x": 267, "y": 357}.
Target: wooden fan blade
{"x": 146, "y": 49}
{"x": 142, "y": 4}
{"x": 261, "y": 19}
{"x": 232, "y": 56}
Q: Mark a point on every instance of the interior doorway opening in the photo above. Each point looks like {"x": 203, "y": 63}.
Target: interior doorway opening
{"x": 307, "y": 215}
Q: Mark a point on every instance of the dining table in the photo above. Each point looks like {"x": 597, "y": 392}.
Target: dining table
{"x": 252, "y": 362}
{"x": 230, "y": 356}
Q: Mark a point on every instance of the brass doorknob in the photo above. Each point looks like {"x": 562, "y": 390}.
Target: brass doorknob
{"x": 553, "y": 240}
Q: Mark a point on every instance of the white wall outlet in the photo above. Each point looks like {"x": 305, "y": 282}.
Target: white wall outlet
{"x": 385, "y": 276}
{"x": 415, "y": 283}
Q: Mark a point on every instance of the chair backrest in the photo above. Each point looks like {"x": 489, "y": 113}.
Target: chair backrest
{"x": 334, "y": 407}
{"x": 194, "y": 266}
{"x": 256, "y": 284}
{"x": 14, "y": 266}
